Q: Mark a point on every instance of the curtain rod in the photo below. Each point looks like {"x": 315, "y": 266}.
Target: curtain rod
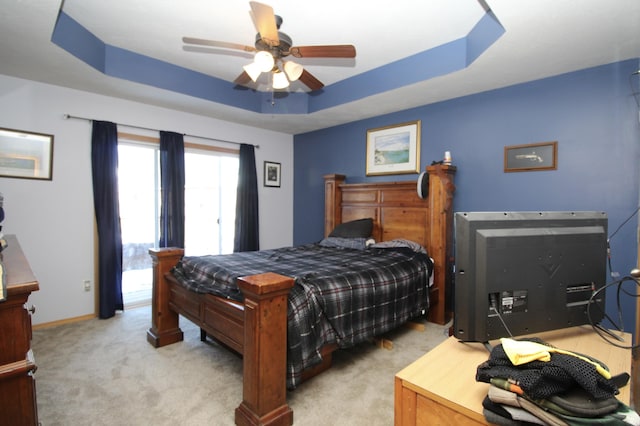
{"x": 68, "y": 116}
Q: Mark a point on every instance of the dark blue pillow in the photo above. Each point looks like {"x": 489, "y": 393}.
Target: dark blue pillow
{"x": 360, "y": 228}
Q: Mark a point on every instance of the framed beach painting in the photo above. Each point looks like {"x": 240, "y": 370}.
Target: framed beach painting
{"x": 393, "y": 149}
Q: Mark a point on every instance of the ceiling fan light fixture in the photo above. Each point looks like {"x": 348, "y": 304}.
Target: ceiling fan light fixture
{"x": 253, "y": 70}
{"x": 293, "y": 70}
{"x": 264, "y": 60}
{"x": 271, "y": 46}
{"x": 279, "y": 80}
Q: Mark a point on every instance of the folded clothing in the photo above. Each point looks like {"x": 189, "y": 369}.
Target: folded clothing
{"x": 524, "y": 351}
{"x": 555, "y": 386}
{"x": 502, "y": 396}
{"x": 623, "y": 416}
{"x": 613, "y": 412}
{"x": 543, "y": 379}
{"x": 577, "y": 402}
{"x": 503, "y": 414}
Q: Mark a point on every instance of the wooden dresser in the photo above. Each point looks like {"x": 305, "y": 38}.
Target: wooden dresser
{"x": 17, "y": 365}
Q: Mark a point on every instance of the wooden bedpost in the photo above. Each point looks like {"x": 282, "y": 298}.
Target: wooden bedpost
{"x": 164, "y": 322}
{"x": 264, "y": 387}
{"x": 332, "y": 194}
{"x": 441, "y": 189}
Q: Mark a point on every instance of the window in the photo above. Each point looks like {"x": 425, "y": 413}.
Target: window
{"x": 210, "y": 200}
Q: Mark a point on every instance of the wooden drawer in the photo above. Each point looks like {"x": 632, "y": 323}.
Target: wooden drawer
{"x": 18, "y": 393}
{"x": 15, "y": 330}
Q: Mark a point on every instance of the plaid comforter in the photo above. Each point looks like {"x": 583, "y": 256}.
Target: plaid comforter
{"x": 341, "y": 296}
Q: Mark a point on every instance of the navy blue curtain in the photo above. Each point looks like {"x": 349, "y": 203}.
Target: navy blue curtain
{"x": 172, "y": 189}
{"x": 247, "y": 231}
{"x": 104, "y": 166}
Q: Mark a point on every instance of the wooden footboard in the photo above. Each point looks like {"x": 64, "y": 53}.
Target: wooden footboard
{"x": 256, "y": 329}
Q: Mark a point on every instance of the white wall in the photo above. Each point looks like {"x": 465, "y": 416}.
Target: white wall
{"x": 54, "y": 220}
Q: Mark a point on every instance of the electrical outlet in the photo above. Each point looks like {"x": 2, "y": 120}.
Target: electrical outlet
{"x": 87, "y": 285}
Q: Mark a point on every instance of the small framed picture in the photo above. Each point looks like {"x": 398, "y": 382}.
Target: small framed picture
{"x": 530, "y": 157}
{"x": 272, "y": 174}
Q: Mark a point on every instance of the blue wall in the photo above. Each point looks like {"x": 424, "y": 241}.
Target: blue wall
{"x": 591, "y": 113}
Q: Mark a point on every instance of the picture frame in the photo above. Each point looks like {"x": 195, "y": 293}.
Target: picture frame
{"x": 25, "y": 154}
{"x": 531, "y": 157}
{"x": 272, "y": 173}
{"x": 393, "y": 149}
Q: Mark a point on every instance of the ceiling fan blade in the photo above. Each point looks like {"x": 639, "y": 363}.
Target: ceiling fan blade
{"x": 334, "y": 51}
{"x": 243, "y": 79}
{"x": 265, "y": 21}
{"x": 310, "y": 81}
{"x": 214, "y": 43}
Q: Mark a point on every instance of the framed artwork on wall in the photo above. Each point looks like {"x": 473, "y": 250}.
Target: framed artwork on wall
{"x": 26, "y": 155}
{"x": 272, "y": 174}
{"x": 394, "y": 149}
{"x": 530, "y": 157}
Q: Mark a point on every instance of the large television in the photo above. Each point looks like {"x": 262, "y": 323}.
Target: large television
{"x": 525, "y": 272}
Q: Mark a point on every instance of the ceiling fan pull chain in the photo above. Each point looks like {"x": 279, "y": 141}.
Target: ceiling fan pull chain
{"x": 273, "y": 97}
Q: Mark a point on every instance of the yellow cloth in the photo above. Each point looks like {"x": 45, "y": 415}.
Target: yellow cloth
{"x": 524, "y": 351}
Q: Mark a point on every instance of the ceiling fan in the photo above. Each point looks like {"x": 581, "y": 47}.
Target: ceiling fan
{"x": 271, "y": 47}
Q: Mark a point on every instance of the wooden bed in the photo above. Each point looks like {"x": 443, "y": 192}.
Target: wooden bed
{"x": 257, "y": 328}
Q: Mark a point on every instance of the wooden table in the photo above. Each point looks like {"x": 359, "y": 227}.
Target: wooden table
{"x": 440, "y": 387}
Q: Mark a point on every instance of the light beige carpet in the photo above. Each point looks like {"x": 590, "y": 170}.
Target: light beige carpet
{"x": 103, "y": 372}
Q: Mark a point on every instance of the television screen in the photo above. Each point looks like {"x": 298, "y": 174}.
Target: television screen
{"x": 525, "y": 272}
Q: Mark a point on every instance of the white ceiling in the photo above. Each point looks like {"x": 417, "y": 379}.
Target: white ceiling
{"x": 542, "y": 38}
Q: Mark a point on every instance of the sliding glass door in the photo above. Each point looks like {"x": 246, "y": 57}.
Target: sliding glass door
{"x": 210, "y": 193}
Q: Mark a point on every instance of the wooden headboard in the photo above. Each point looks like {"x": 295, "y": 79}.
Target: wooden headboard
{"x": 398, "y": 212}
